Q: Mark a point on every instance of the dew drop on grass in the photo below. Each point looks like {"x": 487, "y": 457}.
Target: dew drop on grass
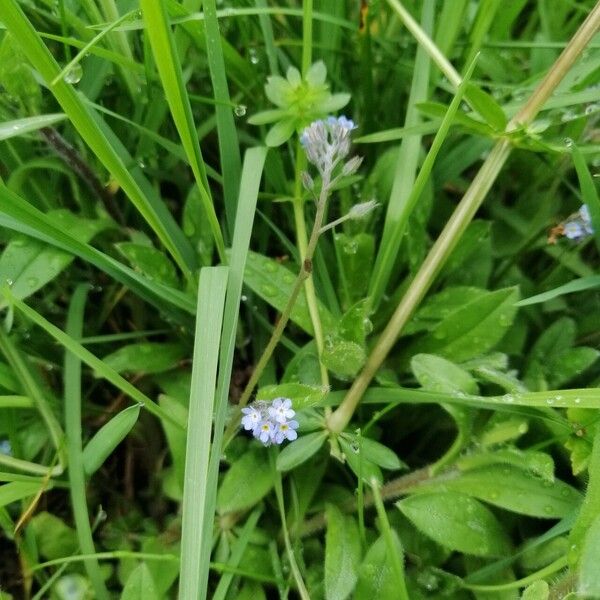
{"x": 32, "y": 281}
{"x": 268, "y": 290}
{"x": 74, "y": 74}
{"x": 240, "y": 110}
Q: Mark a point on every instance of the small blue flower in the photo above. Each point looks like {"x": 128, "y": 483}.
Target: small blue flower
{"x": 270, "y": 422}
{"x": 252, "y": 418}
{"x": 281, "y": 410}
{"x": 266, "y": 432}
{"x": 574, "y": 230}
{"x": 586, "y": 219}
{"x": 327, "y": 142}
{"x": 286, "y": 431}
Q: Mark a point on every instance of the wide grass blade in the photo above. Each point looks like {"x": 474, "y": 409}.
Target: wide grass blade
{"x": 251, "y": 175}
{"x": 209, "y": 319}
{"x": 72, "y": 378}
{"x": 169, "y": 68}
{"x": 154, "y": 212}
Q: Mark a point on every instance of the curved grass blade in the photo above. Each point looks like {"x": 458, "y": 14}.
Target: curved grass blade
{"x": 169, "y": 69}
{"x": 72, "y": 395}
{"x": 578, "y": 285}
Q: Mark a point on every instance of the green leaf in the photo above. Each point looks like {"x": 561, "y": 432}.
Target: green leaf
{"x": 539, "y": 590}
{"x": 108, "y": 437}
{"x": 514, "y": 489}
{"x": 376, "y": 579}
{"x": 145, "y": 357}
{"x": 441, "y": 305}
{"x": 196, "y": 226}
{"x": 249, "y": 479}
{"x": 31, "y": 264}
{"x": 140, "y": 585}
{"x": 16, "y": 77}
{"x": 375, "y": 452}
{"x": 486, "y": 106}
{"x": 302, "y": 395}
{"x": 301, "y": 450}
{"x": 363, "y": 468}
{"x": 273, "y": 283}
{"x": 589, "y": 574}
{"x": 567, "y": 365}
{"x": 458, "y": 522}
{"x": 281, "y": 132}
{"x": 54, "y": 538}
{"x": 440, "y": 375}
{"x": 472, "y": 329}
{"x": 150, "y": 262}
{"x": 342, "y": 554}
{"x": 18, "y": 490}
{"x": 343, "y": 358}
{"x": 354, "y": 324}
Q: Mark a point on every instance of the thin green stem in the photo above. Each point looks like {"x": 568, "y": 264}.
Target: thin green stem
{"x": 73, "y": 432}
{"x": 302, "y": 242}
{"x": 459, "y": 220}
{"x": 302, "y": 591}
{"x": 304, "y": 275}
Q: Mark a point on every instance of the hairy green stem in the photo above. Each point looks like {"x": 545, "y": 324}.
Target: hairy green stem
{"x": 303, "y": 276}
{"x": 302, "y": 242}
{"x": 459, "y": 220}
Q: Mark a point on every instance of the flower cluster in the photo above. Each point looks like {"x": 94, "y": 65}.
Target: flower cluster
{"x": 577, "y": 227}
{"x": 271, "y": 422}
{"x": 327, "y": 142}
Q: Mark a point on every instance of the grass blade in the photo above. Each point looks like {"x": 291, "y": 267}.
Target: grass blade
{"x": 589, "y": 195}
{"x": 169, "y": 69}
{"x": 229, "y": 151}
{"x": 211, "y": 300}
{"x": 10, "y": 129}
{"x": 72, "y": 376}
{"x": 397, "y": 212}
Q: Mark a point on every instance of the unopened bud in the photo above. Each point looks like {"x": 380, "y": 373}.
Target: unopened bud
{"x": 307, "y": 181}
{"x": 359, "y": 211}
{"x": 352, "y": 165}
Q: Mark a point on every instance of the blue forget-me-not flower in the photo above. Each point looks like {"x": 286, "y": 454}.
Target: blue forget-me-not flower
{"x": 579, "y": 225}
{"x": 271, "y": 422}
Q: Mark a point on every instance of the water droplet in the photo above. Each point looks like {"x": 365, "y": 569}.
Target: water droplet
{"x": 568, "y": 142}
{"x": 549, "y": 400}
{"x": 548, "y": 509}
{"x": 288, "y": 278}
{"x": 268, "y": 290}
{"x": 240, "y": 110}
{"x": 74, "y": 74}
{"x": 9, "y": 282}
{"x": 350, "y": 247}
{"x": 244, "y": 298}
{"x": 253, "y": 54}
{"x": 577, "y": 400}
{"x": 439, "y": 335}
{"x": 367, "y": 326}
{"x": 32, "y": 281}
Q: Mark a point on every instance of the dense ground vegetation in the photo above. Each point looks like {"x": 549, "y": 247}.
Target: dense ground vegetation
{"x": 299, "y": 299}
